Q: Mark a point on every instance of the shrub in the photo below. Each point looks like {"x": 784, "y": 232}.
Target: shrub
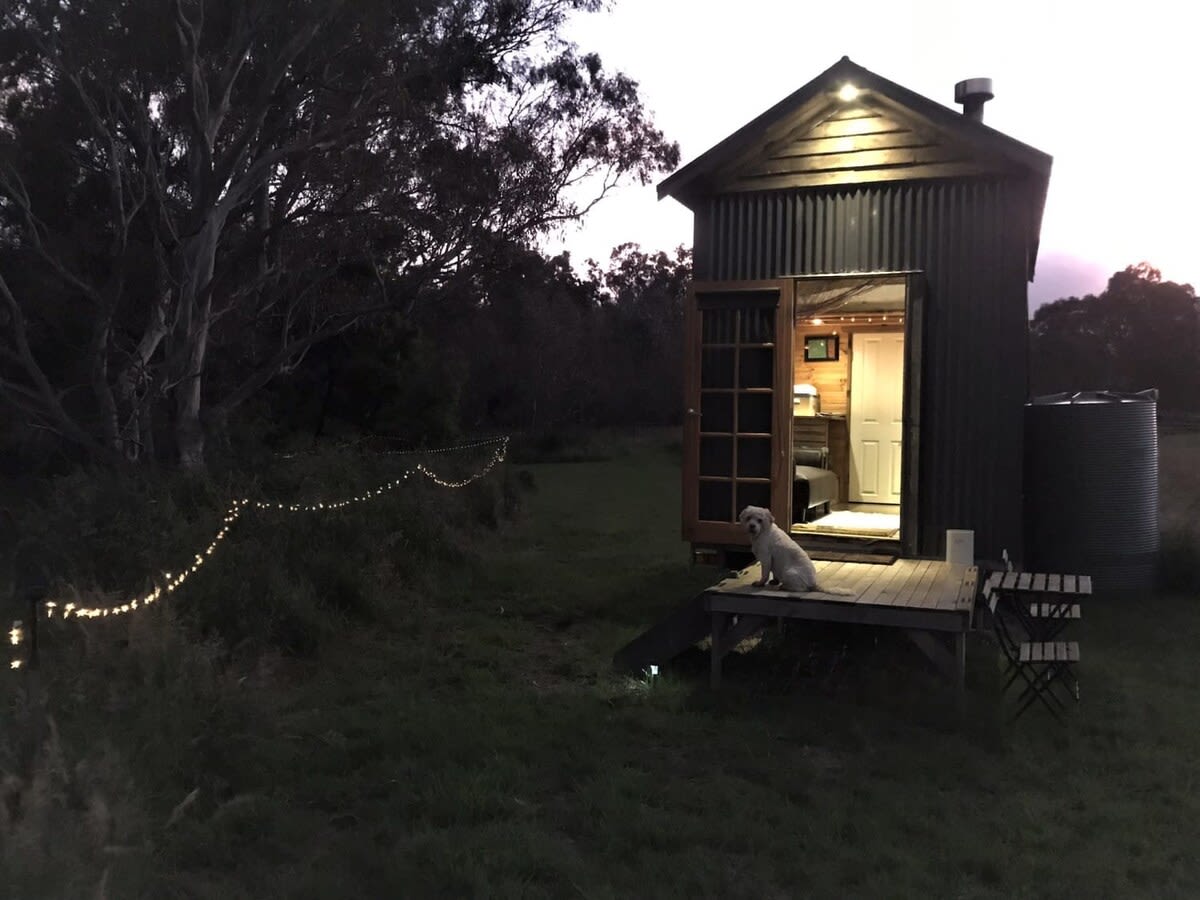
{"x": 95, "y": 745}
{"x": 281, "y": 578}
{"x": 166, "y": 686}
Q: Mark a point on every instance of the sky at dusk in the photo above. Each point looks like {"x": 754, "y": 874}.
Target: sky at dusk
{"x": 1108, "y": 90}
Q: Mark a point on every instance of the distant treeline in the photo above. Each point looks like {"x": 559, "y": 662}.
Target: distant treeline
{"x": 538, "y": 347}
{"x": 535, "y": 347}
{"x": 541, "y": 347}
{"x": 1140, "y": 332}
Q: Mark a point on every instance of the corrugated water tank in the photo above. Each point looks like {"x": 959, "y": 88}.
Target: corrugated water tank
{"x": 1091, "y": 487}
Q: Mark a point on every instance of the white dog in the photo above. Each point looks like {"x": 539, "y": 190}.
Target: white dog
{"x": 781, "y": 556}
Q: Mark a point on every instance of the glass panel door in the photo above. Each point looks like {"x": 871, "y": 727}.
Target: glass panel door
{"x": 733, "y": 439}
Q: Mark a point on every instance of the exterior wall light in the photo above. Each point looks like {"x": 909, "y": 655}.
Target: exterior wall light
{"x": 848, "y": 93}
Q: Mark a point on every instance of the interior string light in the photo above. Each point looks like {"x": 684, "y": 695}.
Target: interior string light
{"x": 897, "y": 319}
{"x": 169, "y": 582}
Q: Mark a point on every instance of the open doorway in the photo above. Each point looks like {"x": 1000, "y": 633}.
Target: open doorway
{"x": 848, "y": 407}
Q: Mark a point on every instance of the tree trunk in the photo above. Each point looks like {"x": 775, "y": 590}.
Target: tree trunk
{"x": 189, "y": 429}
{"x": 192, "y": 327}
{"x": 330, "y": 380}
{"x": 110, "y": 426}
{"x": 134, "y": 375}
{"x": 145, "y": 425}
{"x": 189, "y": 434}
{"x": 216, "y": 426}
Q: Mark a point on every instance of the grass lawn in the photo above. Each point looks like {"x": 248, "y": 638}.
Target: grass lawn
{"x": 483, "y": 747}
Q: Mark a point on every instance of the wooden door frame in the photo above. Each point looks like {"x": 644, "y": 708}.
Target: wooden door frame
{"x": 719, "y": 533}
{"x": 916, "y": 293}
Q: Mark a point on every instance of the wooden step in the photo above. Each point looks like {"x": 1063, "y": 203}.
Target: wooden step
{"x": 686, "y": 626}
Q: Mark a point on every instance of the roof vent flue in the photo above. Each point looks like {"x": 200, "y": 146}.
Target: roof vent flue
{"x": 972, "y": 94}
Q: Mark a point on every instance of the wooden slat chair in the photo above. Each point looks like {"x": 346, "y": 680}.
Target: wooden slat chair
{"x": 1042, "y": 666}
{"x": 1040, "y": 619}
{"x": 1046, "y": 621}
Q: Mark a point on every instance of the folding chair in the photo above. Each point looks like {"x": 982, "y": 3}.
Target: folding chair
{"x": 1042, "y": 666}
{"x": 1025, "y": 597}
{"x": 1046, "y": 621}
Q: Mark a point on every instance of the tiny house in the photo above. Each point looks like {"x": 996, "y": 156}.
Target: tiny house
{"x": 856, "y": 353}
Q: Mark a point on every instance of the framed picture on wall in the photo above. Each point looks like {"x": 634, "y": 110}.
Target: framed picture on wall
{"x": 821, "y": 348}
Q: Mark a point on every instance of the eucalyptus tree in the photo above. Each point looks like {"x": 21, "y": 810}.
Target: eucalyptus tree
{"x": 195, "y": 192}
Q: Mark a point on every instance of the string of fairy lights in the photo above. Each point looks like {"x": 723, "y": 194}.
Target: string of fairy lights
{"x": 169, "y": 582}
{"x": 859, "y": 319}
{"x": 486, "y": 442}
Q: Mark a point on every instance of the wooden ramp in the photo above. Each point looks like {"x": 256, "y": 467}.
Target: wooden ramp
{"x": 687, "y": 625}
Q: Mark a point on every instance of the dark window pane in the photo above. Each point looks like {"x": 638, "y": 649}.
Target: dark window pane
{"x": 716, "y": 368}
{"x": 754, "y": 367}
{"x": 758, "y": 325}
{"x": 716, "y": 412}
{"x": 754, "y": 413}
{"x": 753, "y": 495}
{"x": 714, "y": 501}
{"x": 754, "y": 457}
{"x": 716, "y": 456}
{"x": 718, "y": 326}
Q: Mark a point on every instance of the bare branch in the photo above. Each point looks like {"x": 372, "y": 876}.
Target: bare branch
{"x": 51, "y": 409}
{"x": 238, "y": 150}
{"x": 12, "y": 186}
{"x": 285, "y": 355}
{"x": 189, "y": 38}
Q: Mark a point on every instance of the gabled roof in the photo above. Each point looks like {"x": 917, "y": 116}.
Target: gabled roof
{"x": 812, "y": 138}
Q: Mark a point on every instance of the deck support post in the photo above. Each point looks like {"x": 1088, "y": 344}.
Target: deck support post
{"x": 718, "y": 629}
{"x": 727, "y": 632}
{"x": 951, "y": 663}
{"x": 960, "y": 685}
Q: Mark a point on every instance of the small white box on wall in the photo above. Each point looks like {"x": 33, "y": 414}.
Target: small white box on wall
{"x": 960, "y": 547}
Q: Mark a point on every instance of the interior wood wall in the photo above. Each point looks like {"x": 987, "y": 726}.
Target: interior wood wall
{"x": 831, "y": 379}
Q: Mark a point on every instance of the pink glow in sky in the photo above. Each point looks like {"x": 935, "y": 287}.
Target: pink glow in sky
{"x": 1109, "y": 91}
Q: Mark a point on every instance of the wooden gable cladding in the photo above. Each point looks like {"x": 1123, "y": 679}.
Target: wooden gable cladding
{"x": 832, "y": 144}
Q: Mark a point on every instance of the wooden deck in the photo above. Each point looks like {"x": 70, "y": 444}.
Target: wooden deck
{"x": 928, "y": 599}
{"x": 917, "y": 593}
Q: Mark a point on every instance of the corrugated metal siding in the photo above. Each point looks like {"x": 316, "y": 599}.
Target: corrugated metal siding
{"x": 966, "y": 236}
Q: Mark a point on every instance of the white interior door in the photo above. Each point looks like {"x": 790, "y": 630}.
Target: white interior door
{"x": 876, "y": 409}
